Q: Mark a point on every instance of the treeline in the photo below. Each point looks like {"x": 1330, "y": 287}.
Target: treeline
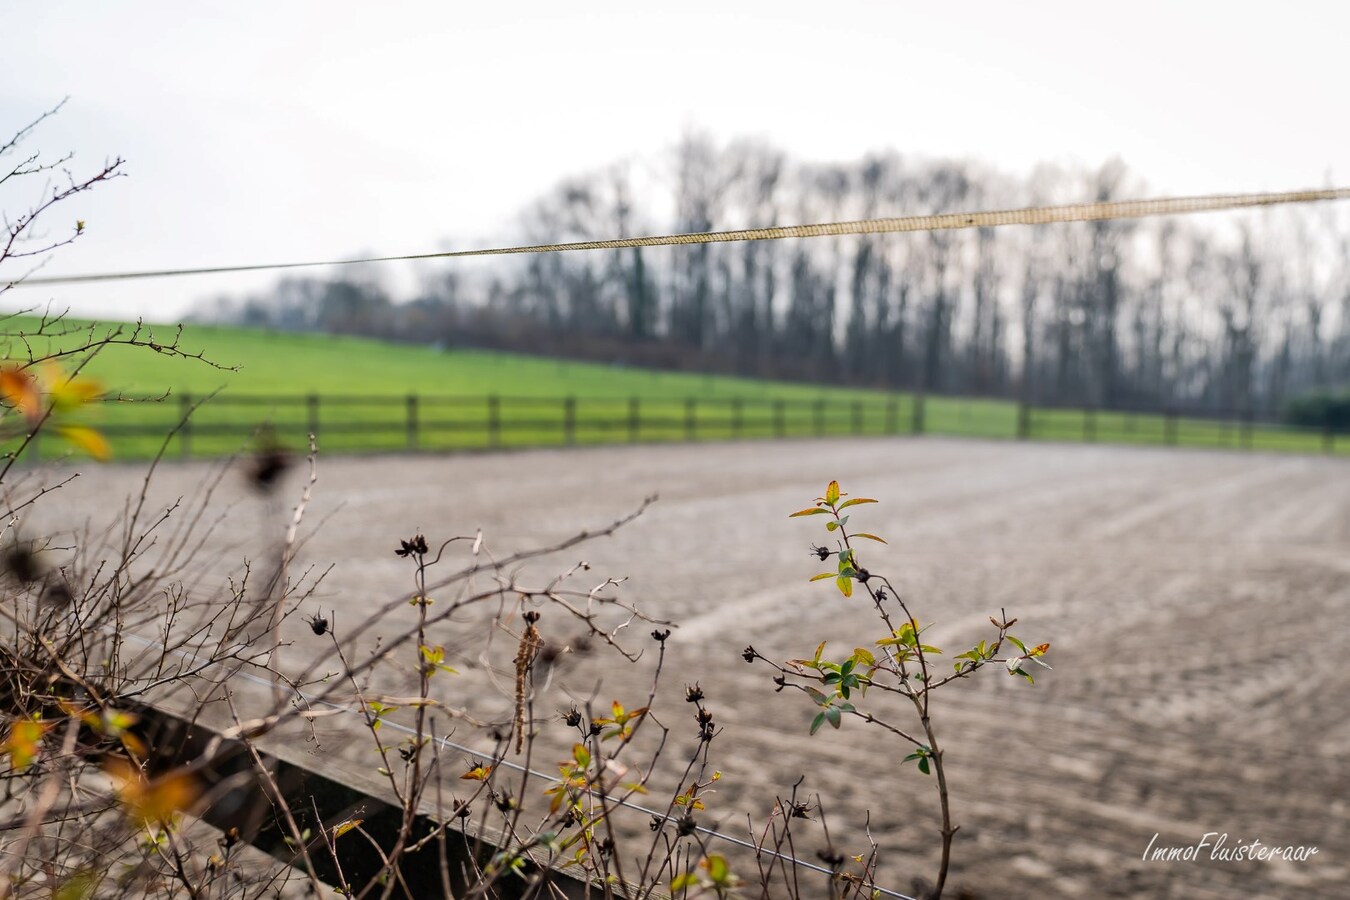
{"x": 1238, "y": 312}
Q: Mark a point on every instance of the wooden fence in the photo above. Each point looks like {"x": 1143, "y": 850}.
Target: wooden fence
{"x": 228, "y": 422}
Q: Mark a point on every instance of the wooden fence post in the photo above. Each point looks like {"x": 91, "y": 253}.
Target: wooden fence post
{"x": 1170, "y": 427}
{"x": 779, "y": 419}
{"x": 312, "y": 415}
{"x": 736, "y": 417}
{"x": 412, "y": 421}
{"x": 1089, "y": 424}
{"x": 690, "y": 418}
{"x": 634, "y": 419}
{"x": 494, "y": 421}
{"x": 820, "y": 416}
{"x": 857, "y": 417}
{"x": 892, "y": 415}
{"x": 185, "y": 425}
{"x": 916, "y": 422}
{"x": 569, "y": 420}
{"x": 1023, "y": 420}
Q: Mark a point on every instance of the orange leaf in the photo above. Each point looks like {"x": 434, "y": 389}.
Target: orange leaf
{"x": 870, "y": 537}
{"x": 152, "y": 800}
{"x": 21, "y": 390}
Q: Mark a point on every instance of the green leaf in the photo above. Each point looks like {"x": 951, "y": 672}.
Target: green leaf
{"x": 1020, "y": 646}
{"x": 855, "y": 501}
{"x": 818, "y": 721}
{"x": 834, "y": 716}
{"x": 845, "y": 585}
{"x": 923, "y": 765}
{"x": 831, "y": 526}
{"x": 79, "y": 886}
{"x": 813, "y": 511}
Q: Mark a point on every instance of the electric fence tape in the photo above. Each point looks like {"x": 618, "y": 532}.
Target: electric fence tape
{"x": 1033, "y": 215}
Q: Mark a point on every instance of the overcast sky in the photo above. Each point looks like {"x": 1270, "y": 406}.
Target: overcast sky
{"x": 276, "y": 131}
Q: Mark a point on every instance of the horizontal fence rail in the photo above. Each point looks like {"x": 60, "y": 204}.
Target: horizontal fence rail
{"x": 227, "y": 423}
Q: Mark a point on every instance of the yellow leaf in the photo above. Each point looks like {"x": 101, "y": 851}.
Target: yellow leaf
{"x": 832, "y": 493}
{"x": 343, "y": 827}
{"x": 24, "y": 742}
{"x": 69, "y": 393}
{"x": 870, "y": 537}
{"x": 855, "y": 501}
{"x": 87, "y": 439}
{"x": 845, "y": 585}
{"x": 813, "y": 511}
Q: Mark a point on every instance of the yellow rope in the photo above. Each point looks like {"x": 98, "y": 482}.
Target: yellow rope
{"x": 1035, "y": 215}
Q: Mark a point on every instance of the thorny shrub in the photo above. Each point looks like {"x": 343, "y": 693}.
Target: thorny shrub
{"x": 163, "y": 735}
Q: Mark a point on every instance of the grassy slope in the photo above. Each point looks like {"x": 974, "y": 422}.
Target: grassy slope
{"x": 272, "y": 362}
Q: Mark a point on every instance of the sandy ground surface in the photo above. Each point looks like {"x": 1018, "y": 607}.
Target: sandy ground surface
{"x": 1198, "y": 606}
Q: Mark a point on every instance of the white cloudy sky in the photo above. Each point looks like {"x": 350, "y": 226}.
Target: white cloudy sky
{"x": 298, "y": 130}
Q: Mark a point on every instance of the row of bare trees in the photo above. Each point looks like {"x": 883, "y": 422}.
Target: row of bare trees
{"x": 1236, "y": 312}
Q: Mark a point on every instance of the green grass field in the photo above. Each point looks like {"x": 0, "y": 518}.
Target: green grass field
{"x": 364, "y": 395}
